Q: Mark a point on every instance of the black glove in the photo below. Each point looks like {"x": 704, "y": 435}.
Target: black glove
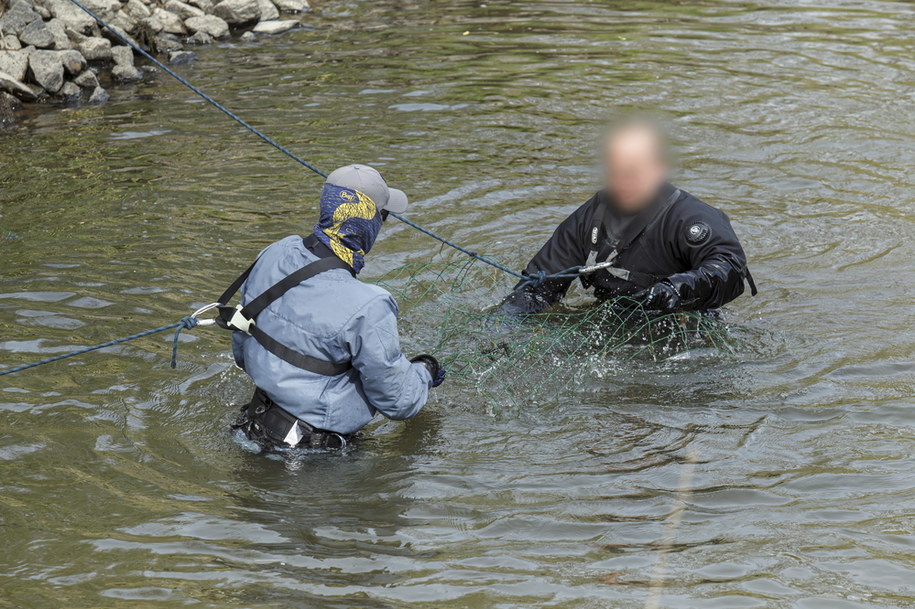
{"x": 435, "y": 369}
{"x": 662, "y": 296}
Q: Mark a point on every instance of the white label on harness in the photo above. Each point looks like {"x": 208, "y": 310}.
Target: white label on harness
{"x": 594, "y": 236}
{"x": 294, "y": 436}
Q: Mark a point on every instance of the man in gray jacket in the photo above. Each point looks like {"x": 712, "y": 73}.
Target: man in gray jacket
{"x": 322, "y": 346}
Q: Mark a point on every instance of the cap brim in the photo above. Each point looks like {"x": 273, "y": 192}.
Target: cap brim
{"x": 397, "y": 201}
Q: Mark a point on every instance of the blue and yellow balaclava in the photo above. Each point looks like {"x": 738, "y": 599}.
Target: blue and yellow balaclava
{"x": 348, "y": 225}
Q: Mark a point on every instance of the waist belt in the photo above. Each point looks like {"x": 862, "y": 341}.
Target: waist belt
{"x": 244, "y": 318}
{"x": 270, "y": 425}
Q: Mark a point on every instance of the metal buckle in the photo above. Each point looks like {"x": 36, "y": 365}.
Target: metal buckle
{"x": 343, "y": 442}
{"x": 206, "y": 322}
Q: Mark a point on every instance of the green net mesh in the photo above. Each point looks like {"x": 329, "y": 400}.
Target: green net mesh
{"x": 449, "y": 309}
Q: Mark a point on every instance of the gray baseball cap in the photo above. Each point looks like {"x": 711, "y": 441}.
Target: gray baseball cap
{"x": 368, "y": 181}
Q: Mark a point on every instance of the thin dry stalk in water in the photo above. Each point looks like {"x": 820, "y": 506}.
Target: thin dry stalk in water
{"x": 684, "y": 489}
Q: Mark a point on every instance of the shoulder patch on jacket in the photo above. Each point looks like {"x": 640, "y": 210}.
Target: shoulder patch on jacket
{"x": 698, "y": 233}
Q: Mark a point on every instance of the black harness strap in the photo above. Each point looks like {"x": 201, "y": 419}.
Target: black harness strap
{"x": 251, "y": 310}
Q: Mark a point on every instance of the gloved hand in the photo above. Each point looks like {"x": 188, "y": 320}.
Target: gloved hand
{"x": 435, "y": 369}
{"x": 662, "y": 296}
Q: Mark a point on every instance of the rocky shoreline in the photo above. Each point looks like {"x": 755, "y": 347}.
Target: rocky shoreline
{"x": 51, "y": 50}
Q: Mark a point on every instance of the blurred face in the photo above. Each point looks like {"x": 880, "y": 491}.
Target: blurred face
{"x": 634, "y": 167}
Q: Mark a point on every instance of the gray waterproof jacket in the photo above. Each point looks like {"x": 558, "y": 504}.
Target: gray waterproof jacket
{"x": 335, "y": 317}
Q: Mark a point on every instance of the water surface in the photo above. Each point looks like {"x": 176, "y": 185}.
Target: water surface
{"x": 121, "y": 487}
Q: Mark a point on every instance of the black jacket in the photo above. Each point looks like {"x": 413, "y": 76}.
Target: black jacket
{"x": 679, "y": 239}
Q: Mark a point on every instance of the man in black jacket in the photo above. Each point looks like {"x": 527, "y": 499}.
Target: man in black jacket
{"x": 640, "y": 237}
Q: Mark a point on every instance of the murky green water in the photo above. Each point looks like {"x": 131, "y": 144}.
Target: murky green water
{"x": 121, "y": 487}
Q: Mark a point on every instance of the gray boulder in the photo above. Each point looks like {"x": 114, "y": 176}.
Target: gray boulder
{"x": 137, "y": 10}
{"x": 70, "y": 93}
{"x": 292, "y": 6}
{"x": 209, "y": 24}
{"x": 87, "y": 80}
{"x": 185, "y": 11}
{"x": 166, "y": 43}
{"x": 205, "y": 5}
{"x": 14, "y": 64}
{"x": 47, "y": 70}
{"x": 180, "y": 57}
{"x": 268, "y": 11}
{"x": 95, "y": 48}
{"x": 171, "y": 23}
{"x": 37, "y": 34}
{"x": 152, "y": 24}
{"x": 73, "y": 61}
{"x": 237, "y": 12}
{"x": 74, "y": 18}
{"x": 124, "y": 22}
{"x": 275, "y": 27}
{"x": 59, "y": 31}
{"x": 17, "y": 18}
{"x": 248, "y": 37}
{"x": 10, "y": 43}
{"x": 122, "y": 73}
{"x": 122, "y": 56}
{"x": 17, "y": 88}
{"x": 200, "y": 38}
{"x": 99, "y": 96}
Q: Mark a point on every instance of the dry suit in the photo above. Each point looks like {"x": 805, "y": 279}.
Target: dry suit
{"x": 678, "y": 241}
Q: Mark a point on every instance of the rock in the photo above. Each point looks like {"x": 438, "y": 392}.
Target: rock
{"x": 124, "y": 22}
{"x": 200, "y": 38}
{"x": 152, "y": 23}
{"x": 59, "y": 31}
{"x": 87, "y": 80}
{"x": 122, "y": 56}
{"x": 8, "y": 107}
{"x": 171, "y": 23}
{"x": 95, "y": 49}
{"x": 180, "y": 57}
{"x": 99, "y": 96}
{"x": 166, "y": 43}
{"x": 17, "y": 18}
{"x": 137, "y": 10}
{"x": 103, "y": 8}
{"x": 17, "y": 88}
{"x": 275, "y": 27}
{"x": 122, "y": 73}
{"x": 70, "y": 93}
{"x": 210, "y": 24}
{"x": 74, "y": 18}
{"x": 205, "y": 5}
{"x": 73, "y": 61}
{"x": 237, "y": 12}
{"x": 248, "y": 37}
{"x": 10, "y": 43}
{"x": 14, "y": 64}
{"x": 37, "y": 34}
{"x": 292, "y": 6}
{"x": 185, "y": 11}
{"x": 47, "y": 70}
{"x": 45, "y": 13}
{"x": 269, "y": 12}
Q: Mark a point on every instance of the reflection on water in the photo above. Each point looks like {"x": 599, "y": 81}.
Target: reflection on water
{"x": 122, "y": 488}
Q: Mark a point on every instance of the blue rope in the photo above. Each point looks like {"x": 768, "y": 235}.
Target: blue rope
{"x": 186, "y": 323}
{"x": 528, "y": 280}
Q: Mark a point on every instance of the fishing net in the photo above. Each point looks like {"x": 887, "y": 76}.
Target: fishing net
{"x": 450, "y": 309}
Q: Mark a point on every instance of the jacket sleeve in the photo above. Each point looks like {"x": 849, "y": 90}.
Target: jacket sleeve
{"x": 718, "y": 265}
{"x": 566, "y": 248}
{"x": 397, "y": 388}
